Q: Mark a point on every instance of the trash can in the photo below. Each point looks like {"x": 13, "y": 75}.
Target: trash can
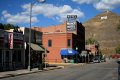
{"x": 40, "y": 67}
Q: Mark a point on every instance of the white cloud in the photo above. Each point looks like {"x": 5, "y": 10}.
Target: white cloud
{"x": 107, "y": 4}
{"x": 17, "y": 18}
{"x": 73, "y": 12}
{"x": 5, "y": 13}
{"x": 48, "y": 10}
{"x": 100, "y": 4}
{"x": 85, "y": 1}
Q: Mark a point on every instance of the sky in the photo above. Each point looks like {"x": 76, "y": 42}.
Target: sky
{"x": 53, "y": 12}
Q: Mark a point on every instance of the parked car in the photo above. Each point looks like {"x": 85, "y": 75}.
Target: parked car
{"x": 103, "y": 59}
{"x": 116, "y": 56}
{"x": 118, "y": 67}
{"x": 96, "y": 60}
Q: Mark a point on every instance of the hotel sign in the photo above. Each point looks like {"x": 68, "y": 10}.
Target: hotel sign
{"x": 71, "y": 22}
{"x": 11, "y": 40}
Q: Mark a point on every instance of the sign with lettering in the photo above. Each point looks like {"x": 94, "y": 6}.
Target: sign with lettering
{"x": 11, "y": 40}
{"x": 17, "y": 36}
{"x": 71, "y": 22}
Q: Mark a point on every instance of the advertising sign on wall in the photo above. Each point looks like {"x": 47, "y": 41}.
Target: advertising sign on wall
{"x": 11, "y": 40}
{"x": 18, "y": 40}
{"x": 17, "y": 36}
{"x": 71, "y": 22}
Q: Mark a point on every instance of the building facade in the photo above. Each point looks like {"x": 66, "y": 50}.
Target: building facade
{"x": 12, "y": 50}
{"x": 61, "y": 38}
{"x": 36, "y": 47}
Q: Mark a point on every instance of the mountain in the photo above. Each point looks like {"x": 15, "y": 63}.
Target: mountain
{"x": 103, "y": 28}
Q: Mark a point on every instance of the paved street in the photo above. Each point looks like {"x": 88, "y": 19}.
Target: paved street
{"x": 98, "y": 71}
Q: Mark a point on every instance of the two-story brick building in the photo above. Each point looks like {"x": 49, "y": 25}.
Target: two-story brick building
{"x": 63, "y": 41}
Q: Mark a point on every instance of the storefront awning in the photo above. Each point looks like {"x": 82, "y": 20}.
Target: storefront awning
{"x": 36, "y": 47}
{"x": 68, "y": 51}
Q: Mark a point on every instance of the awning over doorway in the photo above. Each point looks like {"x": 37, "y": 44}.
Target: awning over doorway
{"x": 37, "y": 47}
{"x": 68, "y": 51}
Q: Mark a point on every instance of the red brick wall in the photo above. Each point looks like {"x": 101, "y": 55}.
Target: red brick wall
{"x": 59, "y": 40}
{"x": 55, "y": 28}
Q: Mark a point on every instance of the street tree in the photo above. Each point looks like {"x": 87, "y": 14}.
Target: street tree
{"x": 91, "y": 41}
{"x": 117, "y": 49}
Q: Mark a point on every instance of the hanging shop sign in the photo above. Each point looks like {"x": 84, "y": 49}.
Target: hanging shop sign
{"x": 11, "y": 40}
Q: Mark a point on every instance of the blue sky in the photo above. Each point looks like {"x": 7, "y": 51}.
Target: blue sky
{"x": 53, "y": 12}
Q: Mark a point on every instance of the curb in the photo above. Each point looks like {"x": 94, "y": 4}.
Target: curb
{"x": 47, "y": 69}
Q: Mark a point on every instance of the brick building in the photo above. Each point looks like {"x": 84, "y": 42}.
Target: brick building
{"x": 59, "y": 38}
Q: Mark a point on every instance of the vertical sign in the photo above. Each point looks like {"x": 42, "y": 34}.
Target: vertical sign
{"x": 11, "y": 40}
{"x": 71, "y": 22}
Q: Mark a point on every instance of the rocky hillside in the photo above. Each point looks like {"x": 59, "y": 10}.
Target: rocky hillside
{"x": 103, "y": 28}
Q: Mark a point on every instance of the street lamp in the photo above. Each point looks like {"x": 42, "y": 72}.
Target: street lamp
{"x": 31, "y": 6}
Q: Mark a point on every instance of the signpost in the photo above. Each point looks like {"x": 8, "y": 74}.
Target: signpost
{"x": 45, "y": 58}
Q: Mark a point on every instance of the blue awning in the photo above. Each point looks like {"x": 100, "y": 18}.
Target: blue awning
{"x": 68, "y": 51}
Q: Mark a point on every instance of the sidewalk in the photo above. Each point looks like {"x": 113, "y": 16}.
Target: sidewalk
{"x": 66, "y": 64}
{"x": 25, "y": 71}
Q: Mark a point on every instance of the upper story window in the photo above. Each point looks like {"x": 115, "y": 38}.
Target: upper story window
{"x": 69, "y": 42}
{"x": 49, "y": 43}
